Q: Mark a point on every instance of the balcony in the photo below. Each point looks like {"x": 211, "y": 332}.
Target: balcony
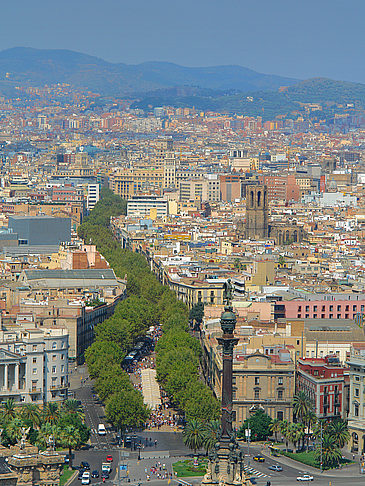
{"x": 59, "y": 387}
{"x": 35, "y": 389}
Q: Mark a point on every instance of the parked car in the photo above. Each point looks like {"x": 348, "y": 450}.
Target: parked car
{"x": 259, "y": 458}
{"x": 305, "y": 477}
{"x": 109, "y": 458}
{"x": 85, "y": 465}
{"x": 95, "y": 474}
{"x": 275, "y": 467}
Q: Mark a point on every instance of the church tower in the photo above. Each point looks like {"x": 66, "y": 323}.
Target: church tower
{"x": 257, "y": 227}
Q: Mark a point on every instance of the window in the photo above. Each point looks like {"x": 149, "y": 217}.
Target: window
{"x": 54, "y": 345}
{"x": 257, "y": 393}
{"x": 338, "y": 308}
{"x": 280, "y": 415}
{"x": 34, "y": 347}
{"x": 280, "y": 394}
{"x": 34, "y": 371}
{"x": 53, "y": 369}
{"x": 356, "y": 410}
{"x": 62, "y": 368}
{"x": 357, "y": 392}
{"x": 54, "y": 357}
{"x": 34, "y": 360}
{"x": 280, "y": 380}
{"x": 257, "y": 380}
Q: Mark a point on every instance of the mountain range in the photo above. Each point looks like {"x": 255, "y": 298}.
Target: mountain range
{"x": 221, "y": 88}
{"x": 38, "y": 67}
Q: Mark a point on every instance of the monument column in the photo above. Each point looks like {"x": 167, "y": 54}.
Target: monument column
{"x": 225, "y": 465}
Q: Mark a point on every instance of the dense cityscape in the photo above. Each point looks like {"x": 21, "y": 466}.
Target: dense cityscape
{"x": 182, "y": 251}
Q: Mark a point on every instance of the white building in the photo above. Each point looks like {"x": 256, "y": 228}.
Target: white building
{"x": 33, "y": 363}
{"x": 93, "y": 195}
{"x": 147, "y": 207}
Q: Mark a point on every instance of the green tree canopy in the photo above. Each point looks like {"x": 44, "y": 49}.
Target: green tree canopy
{"x": 126, "y": 410}
{"x": 259, "y": 423}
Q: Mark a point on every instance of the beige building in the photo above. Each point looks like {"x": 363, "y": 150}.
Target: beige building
{"x": 261, "y": 380}
{"x": 33, "y": 362}
{"x": 356, "y": 415}
{"x": 200, "y": 190}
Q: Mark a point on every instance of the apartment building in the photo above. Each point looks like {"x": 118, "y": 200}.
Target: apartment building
{"x": 323, "y": 309}
{"x": 33, "y": 362}
{"x": 200, "y": 190}
{"x": 130, "y": 182}
{"x": 356, "y": 415}
{"x": 323, "y": 381}
{"x": 147, "y": 207}
{"x": 93, "y": 196}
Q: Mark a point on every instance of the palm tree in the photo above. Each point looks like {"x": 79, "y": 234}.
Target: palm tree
{"x": 8, "y": 410}
{"x": 331, "y": 453}
{"x": 51, "y": 413}
{"x": 13, "y": 429}
{"x": 309, "y": 419}
{"x": 31, "y": 412}
{"x": 70, "y": 437}
{"x": 301, "y": 405}
{"x": 285, "y": 430}
{"x": 193, "y": 435}
{"x": 44, "y": 433}
{"x": 339, "y": 431}
{"x": 297, "y": 433}
{"x": 211, "y": 434}
{"x": 74, "y": 407}
{"x": 275, "y": 427}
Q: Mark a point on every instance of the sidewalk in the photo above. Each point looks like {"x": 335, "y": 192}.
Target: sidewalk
{"x": 346, "y": 472}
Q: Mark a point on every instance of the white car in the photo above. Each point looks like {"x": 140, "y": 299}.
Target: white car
{"x": 305, "y": 477}
{"x": 85, "y": 478}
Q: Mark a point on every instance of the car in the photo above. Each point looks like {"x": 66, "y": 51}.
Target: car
{"x": 128, "y": 441}
{"x": 105, "y": 475}
{"x": 305, "y": 477}
{"x": 85, "y": 478}
{"x": 81, "y": 472}
{"x": 95, "y": 474}
{"x": 259, "y": 458}
{"x": 85, "y": 465}
{"x": 275, "y": 467}
{"x": 109, "y": 458}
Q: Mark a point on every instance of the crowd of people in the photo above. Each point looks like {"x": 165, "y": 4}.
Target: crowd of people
{"x": 163, "y": 416}
{"x": 159, "y": 471}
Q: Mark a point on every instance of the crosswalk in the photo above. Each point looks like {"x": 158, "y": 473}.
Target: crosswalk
{"x": 255, "y": 472}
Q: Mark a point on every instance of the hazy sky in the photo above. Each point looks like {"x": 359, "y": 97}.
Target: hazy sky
{"x": 294, "y": 38}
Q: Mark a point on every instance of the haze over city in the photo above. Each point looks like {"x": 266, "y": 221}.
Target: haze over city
{"x": 295, "y": 39}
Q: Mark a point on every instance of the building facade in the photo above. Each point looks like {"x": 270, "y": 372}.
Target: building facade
{"x": 33, "y": 364}
{"x": 323, "y": 381}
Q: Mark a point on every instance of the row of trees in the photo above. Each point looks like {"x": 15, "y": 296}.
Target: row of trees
{"x": 148, "y": 303}
{"x": 65, "y": 423}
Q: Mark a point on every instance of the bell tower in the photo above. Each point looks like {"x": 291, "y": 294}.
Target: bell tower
{"x": 257, "y": 227}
